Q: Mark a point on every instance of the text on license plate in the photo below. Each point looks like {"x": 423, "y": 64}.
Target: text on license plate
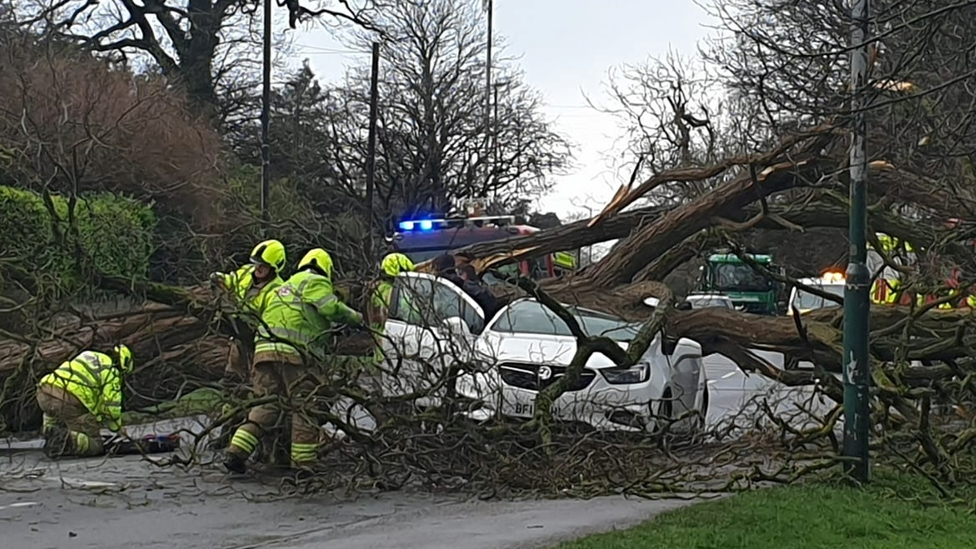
{"x": 522, "y": 409}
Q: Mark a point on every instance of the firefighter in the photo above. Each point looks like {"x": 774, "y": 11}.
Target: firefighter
{"x": 445, "y": 266}
{"x": 379, "y": 301}
{"x": 251, "y": 284}
{"x": 294, "y": 329}
{"x": 475, "y": 287}
{"x": 79, "y": 397}
{"x": 249, "y": 288}
{"x": 885, "y": 291}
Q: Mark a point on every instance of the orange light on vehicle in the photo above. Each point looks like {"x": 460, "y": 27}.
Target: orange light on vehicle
{"x": 832, "y": 276}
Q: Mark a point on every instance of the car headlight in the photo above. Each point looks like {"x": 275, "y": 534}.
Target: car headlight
{"x": 638, "y": 373}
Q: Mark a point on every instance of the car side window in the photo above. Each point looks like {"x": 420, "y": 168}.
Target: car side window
{"x": 426, "y": 302}
{"x": 412, "y": 301}
{"x": 449, "y": 303}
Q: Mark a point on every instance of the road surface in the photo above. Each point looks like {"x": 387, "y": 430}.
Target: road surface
{"x": 125, "y": 502}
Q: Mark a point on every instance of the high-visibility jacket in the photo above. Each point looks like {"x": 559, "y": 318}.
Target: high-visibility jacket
{"x": 890, "y": 243}
{"x": 379, "y": 310}
{"x": 885, "y": 291}
{"x": 380, "y": 302}
{"x": 564, "y": 260}
{"x": 299, "y": 314}
{"x": 922, "y": 300}
{"x": 96, "y": 382}
{"x": 249, "y": 298}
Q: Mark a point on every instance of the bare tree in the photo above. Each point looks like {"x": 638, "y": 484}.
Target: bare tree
{"x": 211, "y": 47}
{"x": 431, "y": 130}
{"x": 77, "y": 125}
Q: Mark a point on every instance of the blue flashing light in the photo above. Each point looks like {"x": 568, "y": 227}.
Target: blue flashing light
{"x": 426, "y": 225}
{"x": 406, "y": 226}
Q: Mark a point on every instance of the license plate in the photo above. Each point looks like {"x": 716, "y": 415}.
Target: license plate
{"x": 521, "y": 409}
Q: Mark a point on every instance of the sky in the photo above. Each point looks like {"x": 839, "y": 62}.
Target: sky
{"x": 566, "y": 48}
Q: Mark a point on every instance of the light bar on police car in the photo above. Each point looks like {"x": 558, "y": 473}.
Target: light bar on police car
{"x": 422, "y": 224}
{"x": 430, "y": 224}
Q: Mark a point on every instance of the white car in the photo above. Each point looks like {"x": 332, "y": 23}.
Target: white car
{"x": 503, "y": 363}
{"x": 704, "y": 301}
{"x": 804, "y": 301}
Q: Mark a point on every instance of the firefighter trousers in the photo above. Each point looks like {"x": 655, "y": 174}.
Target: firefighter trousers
{"x": 69, "y": 428}
{"x": 293, "y": 382}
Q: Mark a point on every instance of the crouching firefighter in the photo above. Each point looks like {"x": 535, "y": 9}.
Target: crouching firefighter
{"x": 79, "y": 397}
{"x": 294, "y": 334}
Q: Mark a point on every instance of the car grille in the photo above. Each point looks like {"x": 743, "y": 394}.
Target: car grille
{"x": 526, "y": 376}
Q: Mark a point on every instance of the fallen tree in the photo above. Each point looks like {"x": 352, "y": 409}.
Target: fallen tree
{"x": 654, "y": 240}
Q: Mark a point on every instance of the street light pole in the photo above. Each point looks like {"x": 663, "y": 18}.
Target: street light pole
{"x": 857, "y": 365}
{"x": 489, "y": 6}
{"x": 266, "y": 118}
{"x": 374, "y": 80}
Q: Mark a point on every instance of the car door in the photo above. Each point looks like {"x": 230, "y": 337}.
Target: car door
{"x": 419, "y": 343}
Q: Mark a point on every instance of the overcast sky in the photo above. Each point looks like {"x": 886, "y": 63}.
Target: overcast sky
{"x": 566, "y": 48}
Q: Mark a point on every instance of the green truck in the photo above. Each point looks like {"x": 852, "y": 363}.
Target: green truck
{"x": 748, "y": 289}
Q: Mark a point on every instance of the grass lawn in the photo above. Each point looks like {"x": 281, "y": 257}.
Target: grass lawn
{"x": 890, "y": 514}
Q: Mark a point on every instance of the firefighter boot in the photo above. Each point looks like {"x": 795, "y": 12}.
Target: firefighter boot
{"x": 235, "y": 463}
{"x": 56, "y": 441}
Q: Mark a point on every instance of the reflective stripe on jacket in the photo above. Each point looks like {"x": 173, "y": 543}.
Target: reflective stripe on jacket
{"x": 96, "y": 382}
{"x": 249, "y": 298}
{"x": 299, "y": 315}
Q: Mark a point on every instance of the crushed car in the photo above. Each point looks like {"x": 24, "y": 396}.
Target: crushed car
{"x": 502, "y": 363}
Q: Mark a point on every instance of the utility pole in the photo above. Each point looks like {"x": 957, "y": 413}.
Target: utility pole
{"x": 490, "y": 8}
{"x": 857, "y": 365}
{"x": 494, "y": 128}
{"x": 266, "y": 119}
{"x": 371, "y": 141}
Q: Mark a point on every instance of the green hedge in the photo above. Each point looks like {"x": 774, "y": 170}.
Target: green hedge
{"x": 115, "y": 232}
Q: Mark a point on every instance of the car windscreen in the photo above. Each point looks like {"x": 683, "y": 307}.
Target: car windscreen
{"x": 739, "y": 277}
{"x": 706, "y": 302}
{"x": 805, "y": 301}
{"x": 531, "y": 317}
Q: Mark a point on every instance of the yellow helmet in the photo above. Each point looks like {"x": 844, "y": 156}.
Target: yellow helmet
{"x": 396, "y": 263}
{"x": 317, "y": 259}
{"x": 124, "y": 357}
{"x": 270, "y": 253}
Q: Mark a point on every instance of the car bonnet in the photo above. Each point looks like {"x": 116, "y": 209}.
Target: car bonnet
{"x": 538, "y": 349}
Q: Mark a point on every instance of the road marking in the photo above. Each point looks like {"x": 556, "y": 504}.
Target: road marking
{"x": 21, "y": 504}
